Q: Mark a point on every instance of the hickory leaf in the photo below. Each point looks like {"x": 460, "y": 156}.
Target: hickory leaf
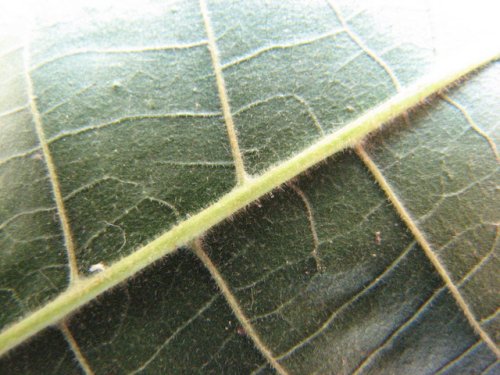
{"x": 249, "y": 187}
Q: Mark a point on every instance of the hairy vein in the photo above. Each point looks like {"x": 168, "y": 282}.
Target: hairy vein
{"x": 490, "y": 367}
{"x": 484, "y": 260}
{"x": 363, "y": 155}
{"x": 368, "y": 51}
{"x": 356, "y": 39}
{"x": 194, "y": 226}
{"x": 13, "y": 111}
{"x": 54, "y": 179}
{"x": 235, "y": 306}
{"x": 370, "y": 358}
{"x": 426, "y": 246}
{"x": 295, "y": 97}
{"x": 31, "y": 152}
{"x": 82, "y": 361}
{"x": 473, "y": 124}
{"x": 24, "y": 213}
{"x": 241, "y": 174}
{"x": 130, "y": 119}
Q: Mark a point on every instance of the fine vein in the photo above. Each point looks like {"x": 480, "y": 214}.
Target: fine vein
{"x": 473, "y": 125}
{"x": 86, "y": 289}
{"x": 312, "y": 225}
{"x": 356, "y": 39}
{"x": 426, "y": 246}
{"x": 174, "y": 335}
{"x": 235, "y": 306}
{"x": 122, "y": 50}
{"x": 402, "y": 328}
{"x": 51, "y": 168}
{"x": 455, "y": 361}
{"x": 241, "y": 175}
{"x": 342, "y": 308}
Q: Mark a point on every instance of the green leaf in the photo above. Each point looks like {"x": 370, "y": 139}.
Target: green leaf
{"x": 130, "y": 130}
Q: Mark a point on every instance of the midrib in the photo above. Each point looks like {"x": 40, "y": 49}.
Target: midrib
{"x": 86, "y": 289}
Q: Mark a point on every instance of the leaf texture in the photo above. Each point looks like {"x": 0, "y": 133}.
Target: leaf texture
{"x": 118, "y": 124}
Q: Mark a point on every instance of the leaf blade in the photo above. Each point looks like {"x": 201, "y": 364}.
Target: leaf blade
{"x": 127, "y": 202}
{"x": 181, "y": 234}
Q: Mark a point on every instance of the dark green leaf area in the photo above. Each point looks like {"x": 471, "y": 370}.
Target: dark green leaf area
{"x": 27, "y": 360}
{"x": 366, "y": 297}
{"x": 169, "y": 319}
{"x": 33, "y": 262}
{"x": 443, "y": 165}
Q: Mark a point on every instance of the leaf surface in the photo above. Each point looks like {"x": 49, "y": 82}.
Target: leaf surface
{"x": 324, "y": 274}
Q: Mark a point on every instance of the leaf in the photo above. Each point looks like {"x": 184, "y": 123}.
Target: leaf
{"x": 118, "y": 123}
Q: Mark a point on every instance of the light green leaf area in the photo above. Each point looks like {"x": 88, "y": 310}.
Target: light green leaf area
{"x": 112, "y": 131}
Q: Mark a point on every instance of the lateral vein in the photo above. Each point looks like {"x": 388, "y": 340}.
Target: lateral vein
{"x": 75, "y": 348}
{"x": 51, "y": 168}
{"x": 241, "y": 175}
{"x": 419, "y": 236}
{"x": 426, "y": 246}
{"x": 356, "y": 39}
{"x": 235, "y": 306}
{"x": 194, "y": 226}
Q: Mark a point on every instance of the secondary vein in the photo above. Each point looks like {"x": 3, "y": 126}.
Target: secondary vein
{"x": 75, "y": 348}
{"x": 51, "y": 168}
{"x": 373, "y": 168}
{"x": 86, "y": 289}
{"x": 426, "y": 246}
{"x": 237, "y": 310}
{"x": 241, "y": 174}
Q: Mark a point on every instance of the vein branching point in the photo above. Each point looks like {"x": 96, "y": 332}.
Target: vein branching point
{"x": 86, "y": 289}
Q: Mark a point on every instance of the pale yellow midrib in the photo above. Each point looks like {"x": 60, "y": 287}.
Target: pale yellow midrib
{"x": 86, "y": 289}
{"x": 241, "y": 178}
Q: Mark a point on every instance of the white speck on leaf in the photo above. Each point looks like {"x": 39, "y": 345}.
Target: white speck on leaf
{"x": 98, "y": 267}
